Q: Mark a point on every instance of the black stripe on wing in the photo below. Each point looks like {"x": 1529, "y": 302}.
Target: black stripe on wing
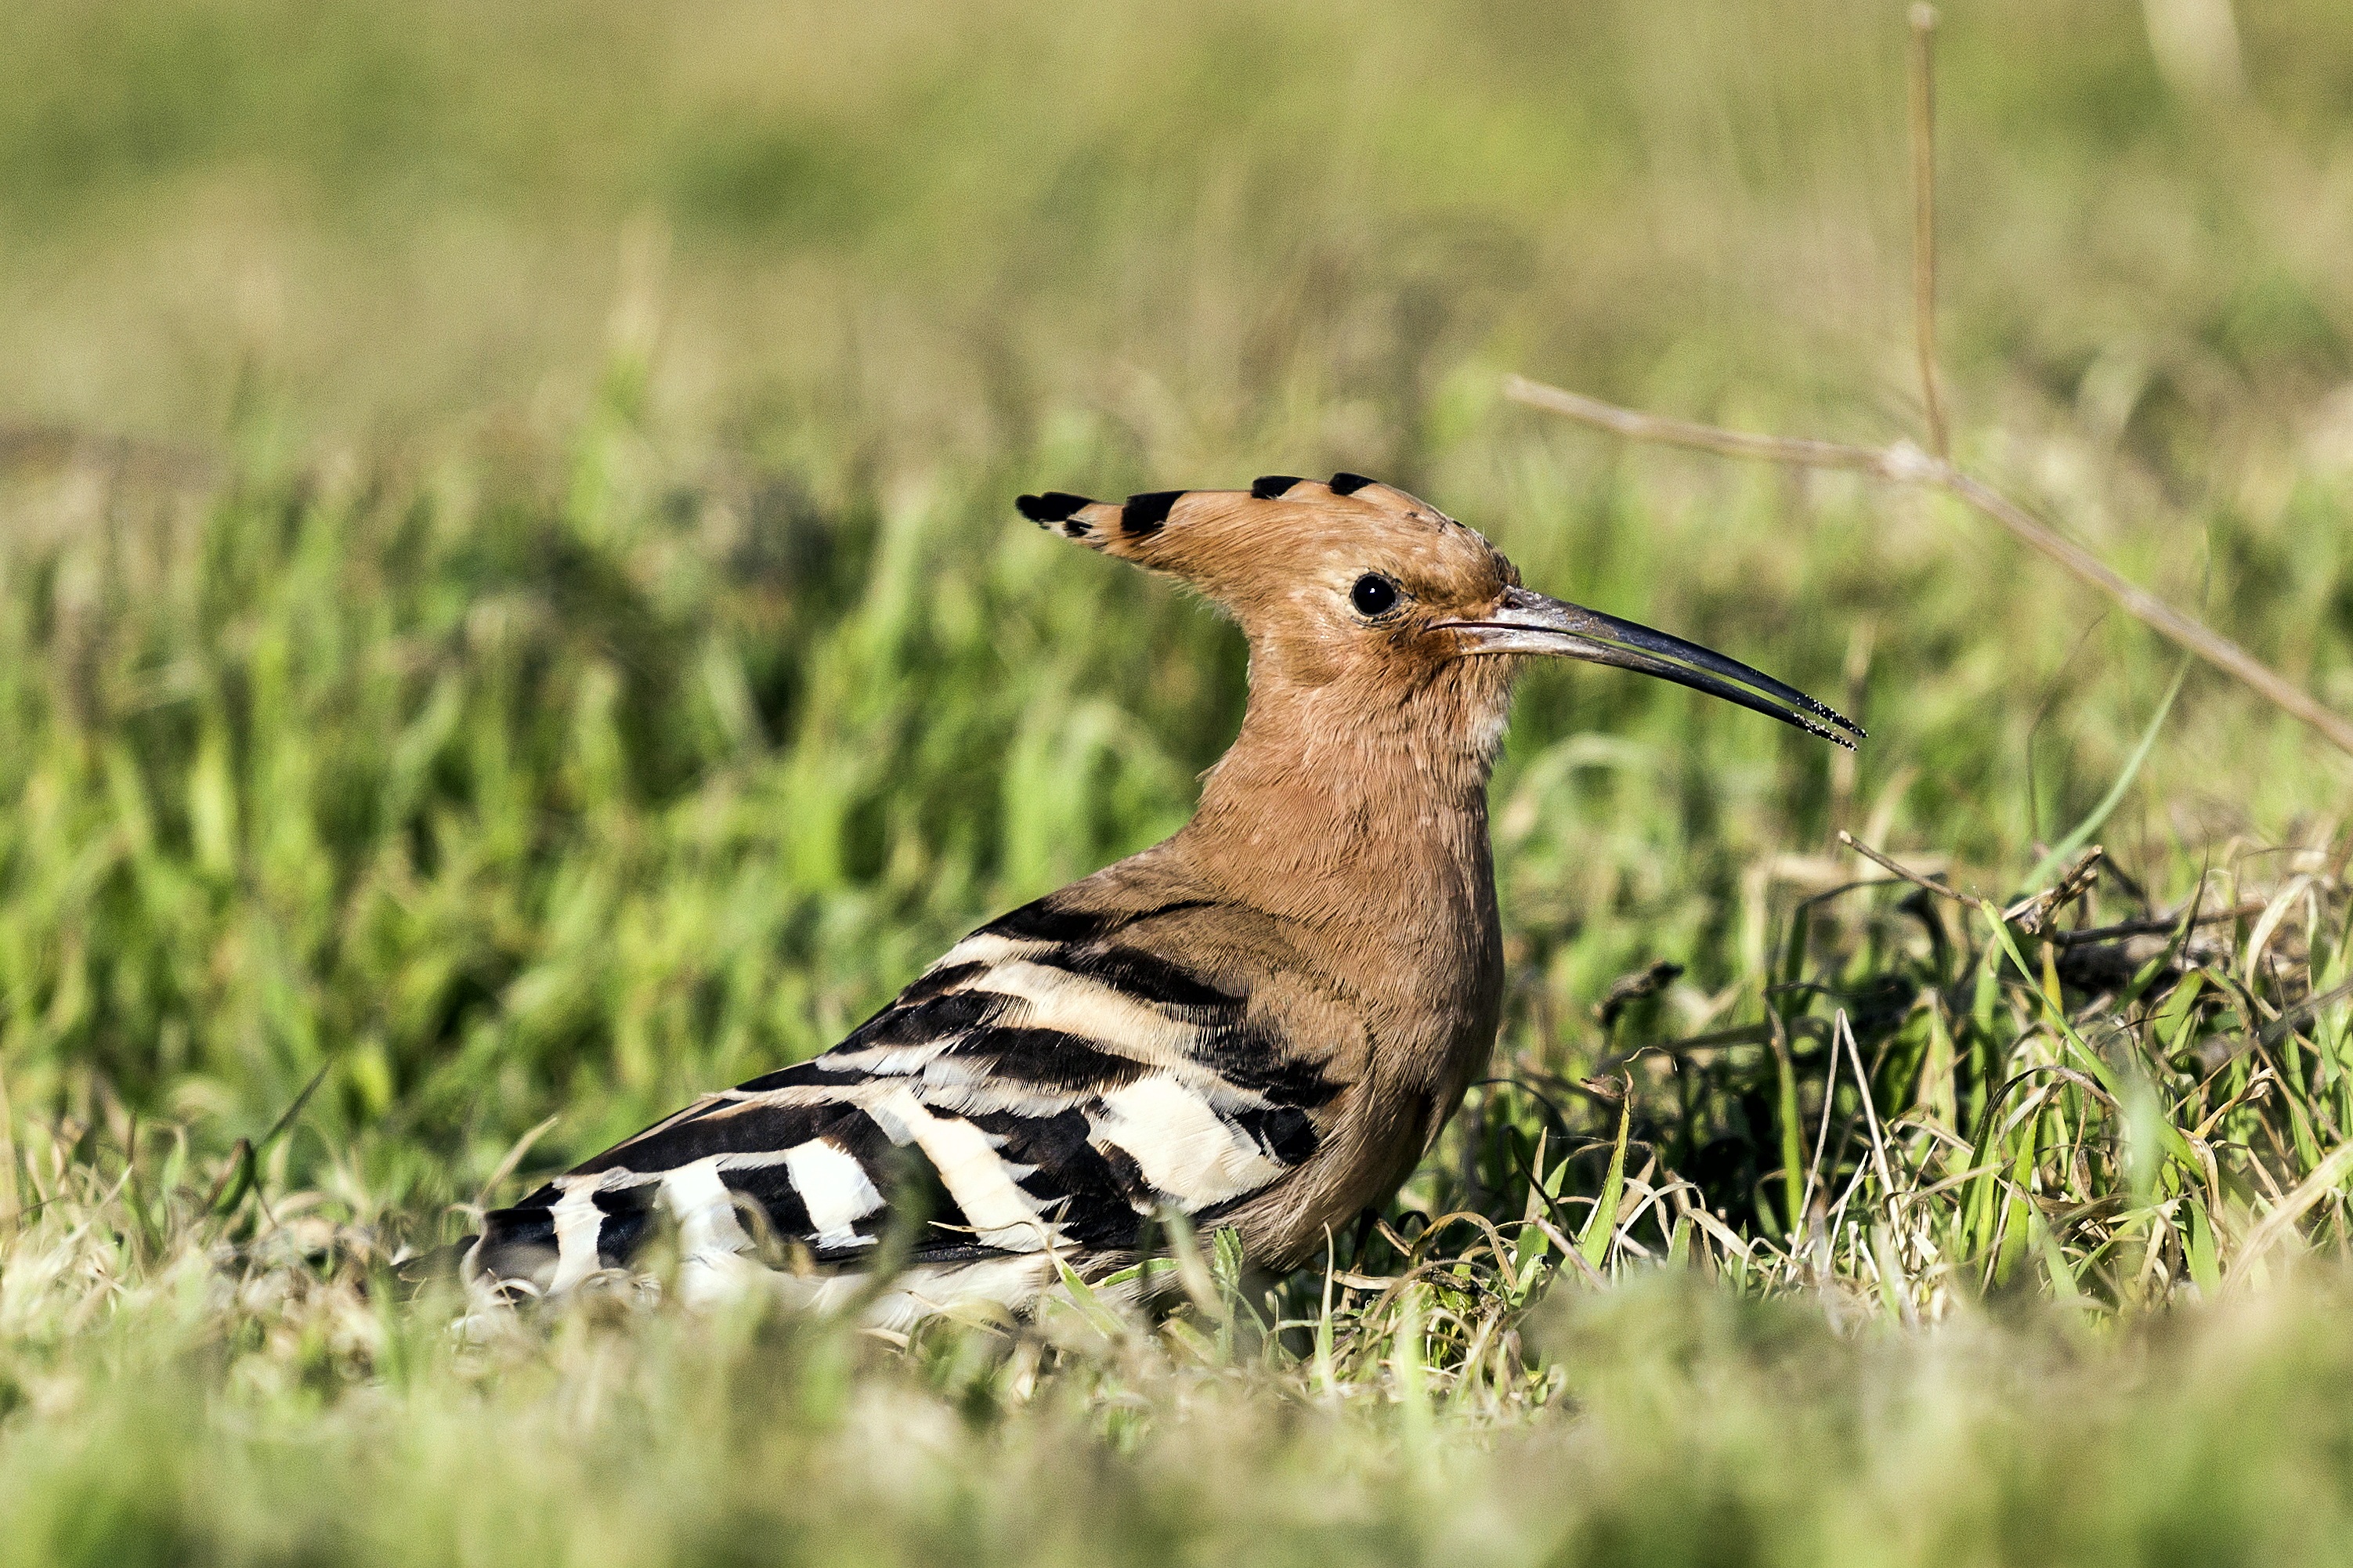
{"x": 934, "y": 1018}
{"x": 818, "y": 1073}
{"x": 1069, "y": 1066}
{"x": 627, "y": 1218}
{"x": 1245, "y": 1053}
{"x": 1249, "y": 1056}
{"x": 904, "y": 1178}
{"x": 518, "y": 1243}
{"x": 1139, "y": 976}
{"x": 717, "y": 1126}
{"x": 1046, "y": 921}
{"x": 1283, "y": 1131}
{"x": 1100, "y": 1201}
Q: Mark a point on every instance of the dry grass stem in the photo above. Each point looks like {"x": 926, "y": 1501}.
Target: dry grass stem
{"x": 1905, "y": 462}
{"x": 1923, "y": 220}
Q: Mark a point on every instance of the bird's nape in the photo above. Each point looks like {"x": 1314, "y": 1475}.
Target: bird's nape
{"x": 1529, "y": 622}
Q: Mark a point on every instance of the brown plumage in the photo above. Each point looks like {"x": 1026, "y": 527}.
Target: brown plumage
{"x": 1261, "y": 1022}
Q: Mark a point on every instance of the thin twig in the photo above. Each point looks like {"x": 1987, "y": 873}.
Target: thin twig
{"x": 1925, "y": 884}
{"x": 1869, "y": 1109}
{"x": 32, "y": 449}
{"x": 1904, "y": 462}
{"x": 1822, "y": 1139}
{"x": 2092, "y": 935}
{"x": 1745, "y": 1035}
{"x": 1924, "y": 219}
{"x": 1662, "y": 430}
{"x": 1840, "y": 1032}
{"x": 2303, "y": 1013}
{"x": 2035, "y": 911}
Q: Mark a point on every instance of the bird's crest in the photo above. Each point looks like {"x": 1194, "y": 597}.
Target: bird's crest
{"x": 1250, "y": 547}
{"x": 1124, "y": 528}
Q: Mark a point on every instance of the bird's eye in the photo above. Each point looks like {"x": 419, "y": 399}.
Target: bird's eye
{"x": 1374, "y": 596}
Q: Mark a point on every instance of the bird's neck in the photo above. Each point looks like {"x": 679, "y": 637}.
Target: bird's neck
{"x": 1363, "y": 828}
{"x": 1358, "y": 816}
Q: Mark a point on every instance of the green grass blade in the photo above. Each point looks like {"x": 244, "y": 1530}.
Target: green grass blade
{"x": 2081, "y": 834}
{"x": 1594, "y": 1243}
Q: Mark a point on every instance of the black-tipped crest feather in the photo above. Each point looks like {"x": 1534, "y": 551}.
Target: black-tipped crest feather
{"x": 1147, "y": 513}
{"x": 1054, "y": 506}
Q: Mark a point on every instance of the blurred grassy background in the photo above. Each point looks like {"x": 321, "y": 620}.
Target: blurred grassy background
{"x": 509, "y": 595}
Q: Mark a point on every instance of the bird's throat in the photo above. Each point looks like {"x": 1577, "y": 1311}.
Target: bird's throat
{"x": 1364, "y": 819}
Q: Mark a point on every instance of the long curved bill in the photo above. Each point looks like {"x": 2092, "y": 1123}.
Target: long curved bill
{"x": 1529, "y": 622}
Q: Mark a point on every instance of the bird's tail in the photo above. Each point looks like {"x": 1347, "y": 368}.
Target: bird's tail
{"x": 517, "y": 1245}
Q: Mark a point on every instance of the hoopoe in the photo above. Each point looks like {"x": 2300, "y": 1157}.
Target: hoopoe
{"x": 1263, "y": 1022}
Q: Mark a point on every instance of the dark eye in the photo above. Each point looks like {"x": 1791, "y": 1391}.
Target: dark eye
{"x": 1374, "y": 596}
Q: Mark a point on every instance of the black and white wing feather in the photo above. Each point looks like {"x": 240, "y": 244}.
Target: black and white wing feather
{"x": 1047, "y": 1086}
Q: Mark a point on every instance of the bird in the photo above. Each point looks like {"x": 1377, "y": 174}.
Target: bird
{"x": 1261, "y": 1022}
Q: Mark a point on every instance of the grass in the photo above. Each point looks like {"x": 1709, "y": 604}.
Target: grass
{"x": 428, "y": 754}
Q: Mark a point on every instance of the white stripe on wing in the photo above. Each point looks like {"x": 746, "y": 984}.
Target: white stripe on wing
{"x": 577, "y": 1224}
{"x": 1001, "y": 1214}
{"x": 1074, "y": 1005}
{"x": 704, "y": 1209}
{"x": 836, "y": 1190}
{"x": 1183, "y": 1146}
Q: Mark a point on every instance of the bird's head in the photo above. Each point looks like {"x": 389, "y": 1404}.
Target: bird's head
{"x": 1356, "y": 590}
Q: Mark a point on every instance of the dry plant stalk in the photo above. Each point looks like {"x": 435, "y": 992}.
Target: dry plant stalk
{"x": 1905, "y": 462}
{"x": 1923, "y": 220}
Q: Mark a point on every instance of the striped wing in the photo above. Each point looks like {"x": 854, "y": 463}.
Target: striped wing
{"x": 1044, "y": 1088}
